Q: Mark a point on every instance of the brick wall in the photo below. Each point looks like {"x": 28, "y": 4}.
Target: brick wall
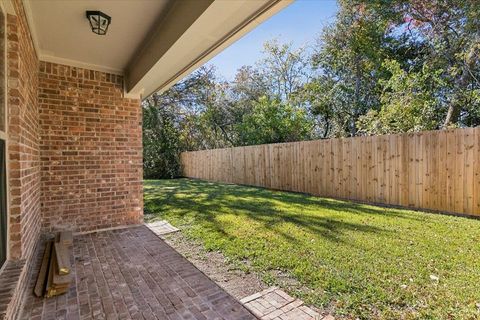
{"x": 91, "y": 150}
{"x": 24, "y": 215}
{"x": 74, "y": 154}
{"x": 89, "y": 139}
{"x": 23, "y": 131}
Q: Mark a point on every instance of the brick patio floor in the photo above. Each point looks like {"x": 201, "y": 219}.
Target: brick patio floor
{"x": 275, "y": 304}
{"x": 132, "y": 274}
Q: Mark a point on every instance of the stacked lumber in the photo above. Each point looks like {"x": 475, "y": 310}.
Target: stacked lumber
{"x": 55, "y": 275}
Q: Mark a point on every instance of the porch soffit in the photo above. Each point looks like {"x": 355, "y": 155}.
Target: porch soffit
{"x": 153, "y": 43}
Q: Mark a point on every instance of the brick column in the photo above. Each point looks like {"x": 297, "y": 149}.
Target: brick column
{"x": 90, "y": 148}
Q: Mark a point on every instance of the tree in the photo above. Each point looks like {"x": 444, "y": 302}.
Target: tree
{"x": 445, "y": 36}
{"x": 284, "y": 69}
{"x": 419, "y": 35}
{"x": 275, "y": 78}
{"x": 161, "y": 143}
{"x": 274, "y": 121}
{"x": 409, "y": 102}
{"x": 382, "y": 67}
{"x": 450, "y": 34}
{"x": 349, "y": 62}
{"x": 171, "y": 123}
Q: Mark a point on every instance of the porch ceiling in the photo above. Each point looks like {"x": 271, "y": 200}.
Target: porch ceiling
{"x": 153, "y": 43}
{"x": 61, "y": 30}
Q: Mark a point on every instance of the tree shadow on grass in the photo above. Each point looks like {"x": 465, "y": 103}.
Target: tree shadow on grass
{"x": 298, "y": 200}
{"x": 205, "y": 200}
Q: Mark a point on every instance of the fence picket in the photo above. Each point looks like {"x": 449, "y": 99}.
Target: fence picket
{"x": 436, "y": 170}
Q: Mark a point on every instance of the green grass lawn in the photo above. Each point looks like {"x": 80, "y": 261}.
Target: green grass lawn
{"x": 363, "y": 261}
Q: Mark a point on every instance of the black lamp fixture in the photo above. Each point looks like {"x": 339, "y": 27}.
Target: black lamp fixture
{"x": 99, "y": 22}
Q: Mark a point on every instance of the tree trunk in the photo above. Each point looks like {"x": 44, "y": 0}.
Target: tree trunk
{"x": 453, "y": 114}
{"x": 454, "y": 109}
{"x": 358, "y": 83}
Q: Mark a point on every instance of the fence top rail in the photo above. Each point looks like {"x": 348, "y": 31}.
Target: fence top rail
{"x": 364, "y": 137}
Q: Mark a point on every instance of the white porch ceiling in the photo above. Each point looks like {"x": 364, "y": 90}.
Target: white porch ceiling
{"x": 62, "y": 31}
{"x": 154, "y": 43}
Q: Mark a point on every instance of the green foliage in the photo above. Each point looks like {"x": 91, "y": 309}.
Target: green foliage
{"x": 272, "y": 121}
{"x": 284, "y": 69}
{"x": 438, "y": 37}
{"x": 444, "y": 37}
{"x": 381, "y": 67}
{"x": 171, "y": 123}
{"x": 349, "y": 58}
{"x": 161, "y": 144}
{"x": 409, "y": 103}
{"x": 361, "y": 261}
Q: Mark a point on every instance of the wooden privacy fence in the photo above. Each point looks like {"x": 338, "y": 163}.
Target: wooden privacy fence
{"x": 434, "y": 170}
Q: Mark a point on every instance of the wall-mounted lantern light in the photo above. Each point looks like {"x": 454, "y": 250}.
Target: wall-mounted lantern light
{"x": 99, "y": 22}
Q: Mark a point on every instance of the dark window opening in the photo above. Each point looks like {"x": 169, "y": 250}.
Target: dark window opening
{"x": 3, "y": 204}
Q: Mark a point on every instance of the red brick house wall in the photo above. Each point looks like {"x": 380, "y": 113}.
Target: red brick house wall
{"x": 23, "y": 159}
{"x": 74, "y": 154}
{"x": 90, "y": 148}
{"x": 23, "y": 132}
{"x": 74, "y": 149}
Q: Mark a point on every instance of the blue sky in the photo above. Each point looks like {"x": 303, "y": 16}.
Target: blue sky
{"x": 299, "y": 23}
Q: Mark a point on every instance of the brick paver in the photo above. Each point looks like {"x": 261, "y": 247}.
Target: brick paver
{"x": 274, "y": 304}
{"x": 9, "y": 284}
{"x": 132, "y": 274}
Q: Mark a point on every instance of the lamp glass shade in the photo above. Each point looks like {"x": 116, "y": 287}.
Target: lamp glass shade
{"x": 99, "y": 22}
